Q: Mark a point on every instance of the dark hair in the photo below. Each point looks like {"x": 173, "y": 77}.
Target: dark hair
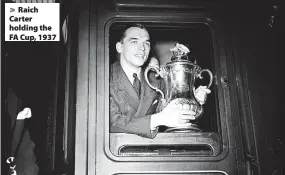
{"x": 138, "y": 25}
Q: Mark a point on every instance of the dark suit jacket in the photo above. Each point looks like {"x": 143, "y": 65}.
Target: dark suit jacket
{"x": 21, "y": 145}
{"x": 128, "y": 112}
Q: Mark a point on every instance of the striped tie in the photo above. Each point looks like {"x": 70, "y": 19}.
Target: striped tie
{"x": 137, "y": 84}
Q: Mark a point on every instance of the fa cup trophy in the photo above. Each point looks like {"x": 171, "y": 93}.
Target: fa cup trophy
{"x": 179, "y": 76}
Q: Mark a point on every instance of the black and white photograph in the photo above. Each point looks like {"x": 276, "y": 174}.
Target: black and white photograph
{"x": 143, "y": 87}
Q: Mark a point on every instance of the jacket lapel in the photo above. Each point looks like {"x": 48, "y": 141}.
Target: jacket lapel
{"x": 147, "y": 96}
{"x": 125, "y": 89}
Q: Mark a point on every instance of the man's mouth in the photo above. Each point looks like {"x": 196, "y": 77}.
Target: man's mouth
{"x": 139, "y": 55}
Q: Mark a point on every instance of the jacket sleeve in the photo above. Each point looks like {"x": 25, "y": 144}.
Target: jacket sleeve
{"x": 23, "y": 146}
{"x": 25, "y": 158}
{"x": 139, "y": 125}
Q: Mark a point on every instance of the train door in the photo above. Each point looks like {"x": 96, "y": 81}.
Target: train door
{"x": 217, "y": 149}
{"x": 227, "y": 141}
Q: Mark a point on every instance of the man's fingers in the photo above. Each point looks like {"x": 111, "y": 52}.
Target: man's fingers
{"x": 26, "y": 113}
{"x": 173, "y": 103}
{"x": 188, "y": 117}
{"x": 204, "y": 89}
{"x": 201, "y": 97}
{"x": 187, "y": 112}
{"x": 201, "y": 94}
{"x": 179, "y": 106}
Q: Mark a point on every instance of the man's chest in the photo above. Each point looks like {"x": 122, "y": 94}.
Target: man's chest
{"x": 144, "y": 105}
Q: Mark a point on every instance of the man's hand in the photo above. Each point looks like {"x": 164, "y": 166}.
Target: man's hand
{"x": 153, "y": 62}
{"x": 201, "y": 94}
{"x": 26, "y": 113}
{"x": 173, "y": 115}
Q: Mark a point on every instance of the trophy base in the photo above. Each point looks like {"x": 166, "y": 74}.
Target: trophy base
{"x": 192, "y": 128}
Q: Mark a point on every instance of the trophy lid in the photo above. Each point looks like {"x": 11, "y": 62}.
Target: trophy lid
{"x": 179, "y": 53}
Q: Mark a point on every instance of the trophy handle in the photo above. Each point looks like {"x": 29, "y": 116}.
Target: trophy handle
{"x": 210, "y": 73}
{"x": 157, "y": 74}
{"x": 201, "y": 110}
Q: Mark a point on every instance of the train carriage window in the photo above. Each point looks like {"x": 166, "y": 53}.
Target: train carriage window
{"x": 207, "y": 141}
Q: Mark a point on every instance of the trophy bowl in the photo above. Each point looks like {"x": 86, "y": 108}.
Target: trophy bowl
{"x": 179, "y": 76}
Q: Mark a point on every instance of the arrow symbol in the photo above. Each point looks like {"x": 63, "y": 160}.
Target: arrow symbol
{"x": 12, "y": 9}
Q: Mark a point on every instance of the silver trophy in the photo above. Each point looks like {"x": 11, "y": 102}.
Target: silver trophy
{"x": 179, "y": 76}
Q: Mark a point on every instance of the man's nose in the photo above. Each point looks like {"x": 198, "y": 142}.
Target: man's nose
{"x": 142, "y": 46}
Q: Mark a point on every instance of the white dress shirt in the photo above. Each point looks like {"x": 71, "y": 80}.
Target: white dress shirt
{"x": 130, "y": 71}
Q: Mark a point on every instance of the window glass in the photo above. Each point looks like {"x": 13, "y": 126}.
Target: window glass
{"x": 207, "y": 142}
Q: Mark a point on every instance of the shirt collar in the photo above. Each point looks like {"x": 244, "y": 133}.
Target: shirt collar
{"x": 130, "y": 71}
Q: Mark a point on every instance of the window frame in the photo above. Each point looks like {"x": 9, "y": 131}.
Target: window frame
{"x": 222, "y": 91}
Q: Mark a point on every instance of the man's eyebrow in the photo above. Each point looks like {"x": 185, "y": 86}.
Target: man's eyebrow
{"x": 134, "y": 38}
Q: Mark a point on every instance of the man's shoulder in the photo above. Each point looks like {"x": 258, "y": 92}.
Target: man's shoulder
{"x": 115, "y": 71}
{"x": 115, "y": 68}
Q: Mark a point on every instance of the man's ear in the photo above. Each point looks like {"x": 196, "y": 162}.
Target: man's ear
{"x": 119, "y": 47}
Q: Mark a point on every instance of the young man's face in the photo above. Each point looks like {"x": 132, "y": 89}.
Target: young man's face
{"x": 135, "y": 47}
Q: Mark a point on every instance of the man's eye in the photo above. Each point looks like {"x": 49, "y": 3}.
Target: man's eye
{"x": 134, "y": 42}
{"x": 147, "y": 44}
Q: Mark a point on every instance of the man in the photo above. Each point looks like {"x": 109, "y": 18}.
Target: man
{"x": 18, "y": 147}
{"x": 134, "y": 106}
{"x": 19, "y": 144}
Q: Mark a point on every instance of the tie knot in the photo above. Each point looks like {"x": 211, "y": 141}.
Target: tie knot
{"x": 135, "y": 76}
